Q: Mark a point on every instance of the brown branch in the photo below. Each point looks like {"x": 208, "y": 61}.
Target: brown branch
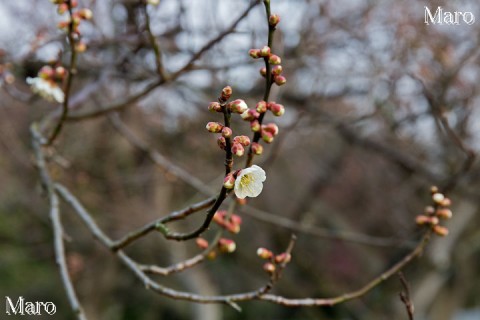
{"x": 155, "y": 45}
{"x": 71, "y": 71}
{"x": 405, "y": 296}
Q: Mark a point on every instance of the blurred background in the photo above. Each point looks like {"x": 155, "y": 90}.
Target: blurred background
{"x": 379, "y": 107}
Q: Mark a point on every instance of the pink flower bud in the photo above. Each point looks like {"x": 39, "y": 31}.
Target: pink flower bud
{"x": 243, "y": 140}
{"x": 215, "y": 107}
{"x": 267, "y": 136}
{"x": 274, "y": 59}
{"x": 219, "y": 217}
{"x": 264, "y": 253}
{"x": 233, "y": 228}
{"x": 257, "y": 148}
{"x": 74, "y": 3}
{"x": 46, "y": 72}
{"x": 265, "y": 51}
{"x": 280, "y": 80}
{"x": 272, "y": 128}
{"x": 444, "y": 213}
{"x": 238, "y": 149}
{"x": 222, "y": 143}
{"x": 229, "y": 181}
{"x": 446, "y": 202}
{"x": 250, "y": 115}
{"x": 277, "y": 109}
{"x": 62, "y": 8}
{"x": 227, "y": 132}
{"x": 236, "y": 219}
{"x": 273, "y": 20}
{"x": 438, "y": 197}
{"x": 238, "y": 106}
{"x": 226, "y": 245}
{"x": 254, "y": 53}
{"x": 441, "y": 231}
{"x": 263, "y": 72}
{"x": 277, "y": 70}
{"x": 283, "y": 258}
{"x": 226, "y": 93}
{"x": 60, "y": 72}
{"x": 255, "y": 126}
{"x": 261, "y": 107}
{"x": 422, "y": 220}
{"x": 269, "y": 267}
{"x": 202, "y": 243}
{"x": 214, "y": 127}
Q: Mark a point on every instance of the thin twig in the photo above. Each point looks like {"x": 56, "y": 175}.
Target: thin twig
{"x": 405, "y": 296}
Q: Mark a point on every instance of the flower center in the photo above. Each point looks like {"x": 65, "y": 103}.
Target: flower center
{"x": 246, "y": 180}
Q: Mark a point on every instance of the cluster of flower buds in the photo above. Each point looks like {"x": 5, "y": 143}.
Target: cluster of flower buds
{"x": 224, "y": 245}
{"x": 230, "y": 223}
{"x": 46, "y": 84}
{"x": 273, "y": 260}
{"x": 434, "y": 214}
{"x": 76, "y": 17}
{"x": 274, "y": 62}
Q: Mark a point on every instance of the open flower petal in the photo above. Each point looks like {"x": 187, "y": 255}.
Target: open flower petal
{"x": 249, "y": 183}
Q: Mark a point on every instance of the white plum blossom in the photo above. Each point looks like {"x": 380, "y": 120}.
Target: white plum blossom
{"x": 47, "y": 89}
{"x": 249, "y": 182}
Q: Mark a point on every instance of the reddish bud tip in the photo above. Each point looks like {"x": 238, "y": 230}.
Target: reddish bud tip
{"x": 46, "y": 72}
{"x": 265, "y": 51}
{"x": 440, "y": 230}
{"x": 226, "y": 93}
{"x": 257, "y": 148}
{"x": 277, "y": 109}
{"x": 227, "y": 132}
{"x": 254, "y": 53}
{"x": 273, "y": 20}
{"x": 444, "y": 213}
{"x": 280, "y": 80}
{"x": 274, "y": 59}
{"x": 238, "y": 106}
{"x": 202, "y": 243}
{"x": 226, "y": 245}
{"x": 263, "y": 72}
{"x": 267, "y": 136}
{"x": 250, "y": 115}
{"x": 238, "y": 150}
{"x": 214, "y": 127}
{"x": 255, "y": 126}
{"x": 272, "y": 128}
{"x": 269, "y": 267}
{"x": 222, "y": 143}
{"x": 283, "y": 258}
{"x": 261, "y": 107}
{"x": 264, "y": 253}
{"x": 62, "y": 8}
{"x": 229, "y": 181}
{"x": 243, "y": 140}
{"x": 215, "y": 107}
{"x": 277, "y": 70}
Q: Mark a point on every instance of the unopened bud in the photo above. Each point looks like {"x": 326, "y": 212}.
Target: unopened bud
{"x": 446, "y": 202}
{"x": 257, "y": 148}
{"x": 265, "y": 51}
{"x": 214, "y": 127}
{"x": 274, "y": 59}
{"x": 80, "y": 47}
{"x": 60, "y": 72}
{"x": 254, "y": 53}
{"x": 440, "y": 230}
{"x": 74, "y": 3}
{"x": 236, "y": 219}
{"x": 277, "y": 70}
{"x": 429, "y": 210}
{"x": 238, "y": 149}
{"x": 62, "y": 8}
{"x": 226, "y": 93}
{"x": 422, "y": 220}
{"x": 273, "y": 20}
{"x": 255, "y": 126}
{"x": 250, "y": 115}
{"x": 219, "y": 217}
{"x": 227, "y": 132}
{"x": 222, "y": 143}
{"x": 261, "y": 107}
{"x": 226, "y": 245}
{"x": 238, "y": 106}
{"x": 85, "y": 14}
{"x": 438, "y": 197}
{"x": 46, "y": 72}
{"x": 277, "y": 109}
{"x": 243, "y": 140}
{"x": 269, "y": 267}
{"x": 229, "y": 181}
{"x": 202, "y": 243}
{"x": 433, "y": 189}
{"x": 63, "y": 25}
{"x": 263, "y": 72}
{"x": 283, "y": 258}
{"x": 264, "y": 253}
{"x": 444, "y": 213}
{"x": 280, "y": 80}
{"x": 267, "y": 136}
{"x": 271, "y": 127}
{"x": 215, "y": 107}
